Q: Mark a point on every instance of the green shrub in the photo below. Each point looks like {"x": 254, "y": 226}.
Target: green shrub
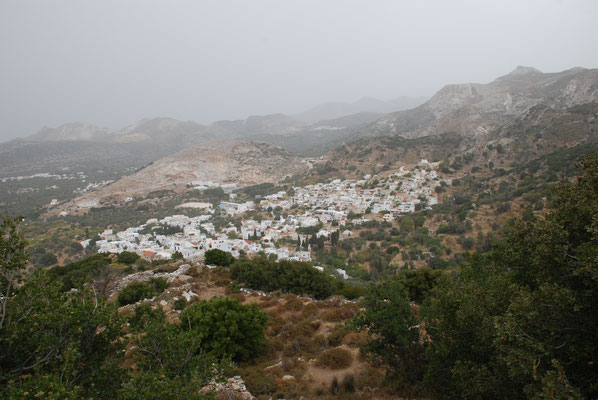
{"x": 218, "y": 257}
{"x": 180, "y": 303}
{"x": 141, "y": 290}
{"x": 127, "y": 257}
{"x": 80, "y": 271}
{"x": 227, "y": 327}
{"x": 352, "y": 292}
{"x": 144, "y": 315}
{"x": 289, "y": 276}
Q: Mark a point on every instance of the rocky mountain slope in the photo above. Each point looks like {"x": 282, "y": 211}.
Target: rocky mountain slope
{"x": 472, "y": 109}
{"x": 538, "y": 132}
{"x": 224, "y": 162}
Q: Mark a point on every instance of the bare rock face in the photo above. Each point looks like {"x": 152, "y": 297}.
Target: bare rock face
{"x": 471, "y": 108}
{"x": 239, "y": 162}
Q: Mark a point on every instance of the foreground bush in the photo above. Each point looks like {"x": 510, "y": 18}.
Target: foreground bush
{"x": 227, "y": 328}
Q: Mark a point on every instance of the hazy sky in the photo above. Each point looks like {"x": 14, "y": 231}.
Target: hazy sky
{"x": 113, "y": 62}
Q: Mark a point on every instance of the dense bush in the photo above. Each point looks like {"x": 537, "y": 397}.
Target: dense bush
{"x": 127, "y": 257}
{"x": 218, "y": 257}
{"x": 136, "y": 291}
{"x": 227, "y": 328}
{"x": 289, "y": 276}
{"x": 144, "y": 315}
{"x": 180, "y": 304}
{"x": 417, "y": 284}
{"x": 80, "y": 271}
{"x": 57, "y": 344}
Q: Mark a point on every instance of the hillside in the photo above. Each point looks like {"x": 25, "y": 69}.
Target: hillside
{"x": 223, "y": 162}
{"x": 539, "y": 131}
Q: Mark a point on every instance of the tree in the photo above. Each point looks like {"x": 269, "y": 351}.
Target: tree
{"x": 406, "y": 224}
{"x": 218, "y": 257}
{"x": 176, "y": 256}
{"x": 127, "y": 257}
{"x": 334, "y": 236}
{"x": 65, "y": 337}
{"x": 226, "y": 328}
{"x": 12, "y": 261}
{"x": 169, "y": 359}
{"x": 521, "y": 322}
{"x": 394, "y": 330}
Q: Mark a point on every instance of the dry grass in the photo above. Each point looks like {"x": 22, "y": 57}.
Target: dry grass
{"x": 335, "y": 358}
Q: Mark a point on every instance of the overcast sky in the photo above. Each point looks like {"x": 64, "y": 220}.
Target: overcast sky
{"x": 113, "y": 62}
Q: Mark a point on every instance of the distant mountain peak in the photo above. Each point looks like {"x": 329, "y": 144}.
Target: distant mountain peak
{"x": 522, "y": 70}
{"x": 521, "y": 73}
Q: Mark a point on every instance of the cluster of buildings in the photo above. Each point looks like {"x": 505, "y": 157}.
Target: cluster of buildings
{"x": 195, "y": 235}
{"x": 92, "y": 186}
{"x": 202, "y": 185}
{"x": 45, "y": 175}
{"x": 396, "y": 194}
{"x": 323, "y": 206}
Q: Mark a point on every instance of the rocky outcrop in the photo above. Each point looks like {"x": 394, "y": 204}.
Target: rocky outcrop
{"x": 232, "y": 388}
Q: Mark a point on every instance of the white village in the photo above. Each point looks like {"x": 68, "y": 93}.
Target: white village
{"x": 334, "y": 206}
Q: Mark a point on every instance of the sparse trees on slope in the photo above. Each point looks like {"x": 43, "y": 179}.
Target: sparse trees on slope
{"x": 517, "y": 323}
{"x": 12, "y": 261}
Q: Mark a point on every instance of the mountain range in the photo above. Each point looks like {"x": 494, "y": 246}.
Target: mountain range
{"x": 528, "y": 112}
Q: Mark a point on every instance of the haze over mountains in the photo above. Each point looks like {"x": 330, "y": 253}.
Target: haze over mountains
{"x": 469, "y": 111}
{"x": 78, "y": 143}
{"x": 366, "y": 104}
{"x": 458, "y": 119}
